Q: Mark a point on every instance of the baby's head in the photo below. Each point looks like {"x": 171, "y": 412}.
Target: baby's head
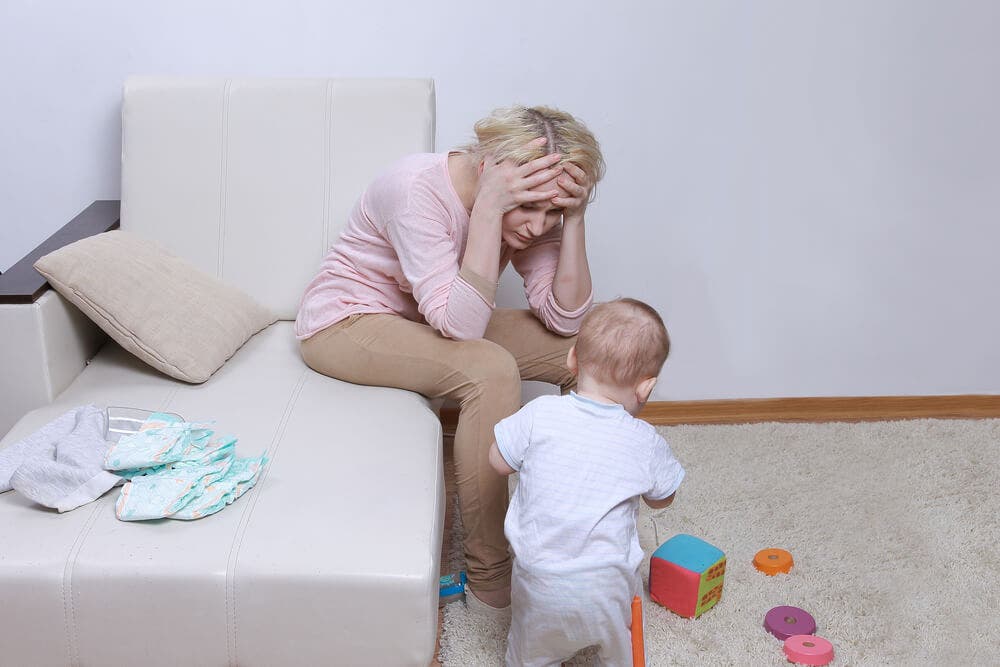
{"x": 622, "y": 346}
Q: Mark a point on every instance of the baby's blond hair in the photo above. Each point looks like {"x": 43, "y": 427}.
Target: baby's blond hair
{"x": 506, "y": 132}
{"x": 622, "y": 342}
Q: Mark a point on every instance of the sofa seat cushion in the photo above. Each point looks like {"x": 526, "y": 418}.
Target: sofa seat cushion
{"x": 332, "y": 558}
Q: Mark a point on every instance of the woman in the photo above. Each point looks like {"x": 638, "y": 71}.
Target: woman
{"x": 405, "y": 298}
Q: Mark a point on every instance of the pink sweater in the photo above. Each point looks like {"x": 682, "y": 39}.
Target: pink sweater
{"x": 401, "y": 251}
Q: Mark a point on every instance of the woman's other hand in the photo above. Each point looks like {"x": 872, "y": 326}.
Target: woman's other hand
{"x": 576, "y": 184}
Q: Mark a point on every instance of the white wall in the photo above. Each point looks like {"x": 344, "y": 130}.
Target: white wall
{"x": 809, "y": 192}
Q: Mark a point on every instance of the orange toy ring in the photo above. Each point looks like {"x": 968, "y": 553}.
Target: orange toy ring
{"x": 773, "y": 561}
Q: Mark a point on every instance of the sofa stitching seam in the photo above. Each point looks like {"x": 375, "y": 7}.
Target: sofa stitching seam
{"x": 234, "y": 551}
{"x": 46, "y": 362}
{"x": 327, "y": 168}
{"x": 69, "y": 605}
{"x": 224, "y": 176}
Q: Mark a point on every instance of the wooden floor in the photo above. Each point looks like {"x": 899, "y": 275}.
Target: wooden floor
{"x": 816, "y": 409}
{"x": 820, "y": 409}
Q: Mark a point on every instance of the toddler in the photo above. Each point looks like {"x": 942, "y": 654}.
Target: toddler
{"x": 584, "y": 460}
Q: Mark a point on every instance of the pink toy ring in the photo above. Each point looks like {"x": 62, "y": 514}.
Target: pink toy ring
{"x": 808, "y": 650}
{"x": 783, "y": 622}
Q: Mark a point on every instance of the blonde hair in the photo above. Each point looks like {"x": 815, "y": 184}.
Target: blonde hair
{"x": 622, "y": 341}
{"x": 506, "y": 132}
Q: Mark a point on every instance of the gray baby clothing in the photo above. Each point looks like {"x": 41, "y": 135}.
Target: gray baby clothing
{"x": 62, "y": 464}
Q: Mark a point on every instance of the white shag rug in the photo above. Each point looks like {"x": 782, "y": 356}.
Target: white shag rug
{"x": 894, "y": 528}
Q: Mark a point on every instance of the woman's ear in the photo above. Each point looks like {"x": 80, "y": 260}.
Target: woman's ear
{"x": 644, "y": 389}
{"x": 571, "y": 361}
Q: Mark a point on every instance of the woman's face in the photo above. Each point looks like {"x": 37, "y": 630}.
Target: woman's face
{"x": 522, "y": 225}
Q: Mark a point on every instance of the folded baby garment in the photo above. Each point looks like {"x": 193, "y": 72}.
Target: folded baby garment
{"x": 61, "y": 464}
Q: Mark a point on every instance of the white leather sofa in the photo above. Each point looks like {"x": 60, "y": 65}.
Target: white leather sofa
{"x": 332, "y": 558}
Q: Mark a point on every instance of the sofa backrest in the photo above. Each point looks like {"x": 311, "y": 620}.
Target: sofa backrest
{"x": 253, "y": 179}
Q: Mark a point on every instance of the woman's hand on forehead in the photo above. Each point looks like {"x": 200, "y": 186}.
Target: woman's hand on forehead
{"x": 550, "y": 160}
{"x": 576, "y": 186}
{"x": 553, "y": 186}
{"x": 505, "y": 185}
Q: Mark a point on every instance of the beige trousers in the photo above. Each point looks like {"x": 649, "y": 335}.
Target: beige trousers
{"x": 483, "y": 376}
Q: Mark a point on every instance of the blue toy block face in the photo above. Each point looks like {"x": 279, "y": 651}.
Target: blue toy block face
{"x": 689, "y": 552}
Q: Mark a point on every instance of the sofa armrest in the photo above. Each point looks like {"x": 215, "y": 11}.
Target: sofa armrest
{"x": 22, "y": 284}
{"x": 46, "y": 340}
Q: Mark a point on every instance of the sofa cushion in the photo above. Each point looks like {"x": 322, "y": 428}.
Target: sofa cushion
{"x": 332, "y": 558}
{"x": 173, "y": 316}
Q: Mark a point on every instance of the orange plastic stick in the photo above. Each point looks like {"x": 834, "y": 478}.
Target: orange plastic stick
{"x": 638, "y": 642}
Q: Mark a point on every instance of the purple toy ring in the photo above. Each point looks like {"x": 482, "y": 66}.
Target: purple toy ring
{"x": 783, "y": 622}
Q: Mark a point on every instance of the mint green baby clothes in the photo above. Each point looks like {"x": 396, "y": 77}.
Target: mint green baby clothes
{"x": 159, "y": 445}
{"x": 241, "y": 476}
{"x": 179, "y": 470}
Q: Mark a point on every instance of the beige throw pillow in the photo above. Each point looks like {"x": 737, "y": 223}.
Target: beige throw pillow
{"x": 157, "y": 306}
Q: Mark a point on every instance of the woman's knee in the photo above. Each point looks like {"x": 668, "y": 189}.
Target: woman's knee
{"x": 492, "y": 368}
{"x": 314, "y": 358}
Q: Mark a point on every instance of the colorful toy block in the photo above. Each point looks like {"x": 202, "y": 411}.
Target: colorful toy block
{"x": 686, "y": 575}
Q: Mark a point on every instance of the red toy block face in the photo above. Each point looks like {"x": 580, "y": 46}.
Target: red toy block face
{"x": 674, "y": 587}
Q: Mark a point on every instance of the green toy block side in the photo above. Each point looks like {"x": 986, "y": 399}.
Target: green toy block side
{"x": 710, "y": 589}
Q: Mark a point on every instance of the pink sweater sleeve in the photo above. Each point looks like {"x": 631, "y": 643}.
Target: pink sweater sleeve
{"x": 430, "y": 262}
{"x": 537, "y": 265}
